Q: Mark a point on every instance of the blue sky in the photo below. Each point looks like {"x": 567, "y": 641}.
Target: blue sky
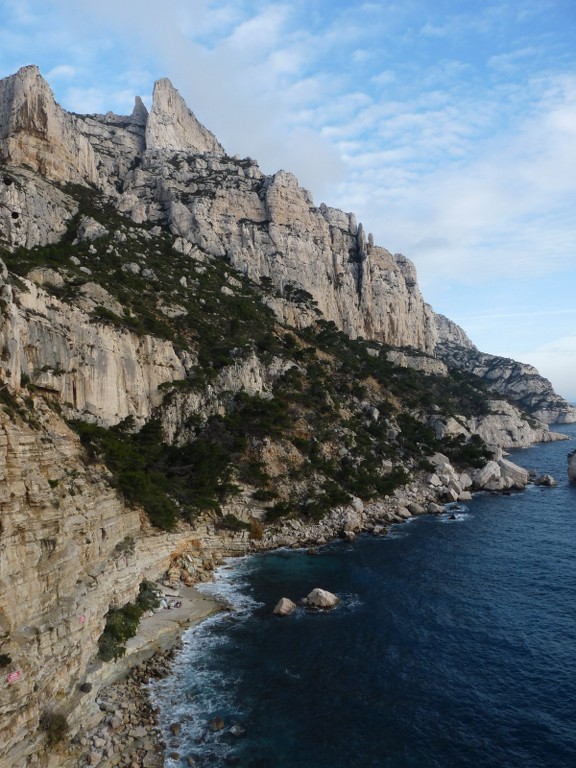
{"x": 447, "y": 126}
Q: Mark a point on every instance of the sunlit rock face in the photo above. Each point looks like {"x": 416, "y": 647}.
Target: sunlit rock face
{"x": 171, "y": 126}
{"x": 36, "y": 133}
{"x": 70, "y": 545}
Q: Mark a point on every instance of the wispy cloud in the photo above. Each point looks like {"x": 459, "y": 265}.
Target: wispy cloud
{"x": 450, "y": 132}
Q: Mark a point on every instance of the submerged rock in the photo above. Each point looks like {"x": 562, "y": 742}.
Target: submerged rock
{"x": 546, "y": 480}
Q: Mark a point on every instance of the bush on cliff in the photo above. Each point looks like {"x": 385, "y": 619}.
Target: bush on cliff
{"x": 122, "y": 623}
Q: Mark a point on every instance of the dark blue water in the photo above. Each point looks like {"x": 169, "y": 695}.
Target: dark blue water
{"x": 454, "y": 646}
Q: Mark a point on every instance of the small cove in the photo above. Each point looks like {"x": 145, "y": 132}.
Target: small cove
{"x": 453, "y": 645}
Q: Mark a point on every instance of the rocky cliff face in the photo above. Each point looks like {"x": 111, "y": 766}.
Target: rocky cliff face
{"x": 166, "y": 167}
{"x": 95, "y": 371}
{"x": 35, "y": 132}
{"x": 149, "y": 275}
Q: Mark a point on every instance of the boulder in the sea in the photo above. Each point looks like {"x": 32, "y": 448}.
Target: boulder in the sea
{"x": 217, "y": 724}
{"x": 237, "y": 730}
{"x": 546, "y": 480}
{"x": 284, "y": 607}
{"x": 321, "y": 598}
{"x": 572, "y": 467}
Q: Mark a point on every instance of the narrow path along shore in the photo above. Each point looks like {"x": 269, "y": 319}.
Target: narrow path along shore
{"x": 127, "y": 735}
{"x": 163, "y": 628}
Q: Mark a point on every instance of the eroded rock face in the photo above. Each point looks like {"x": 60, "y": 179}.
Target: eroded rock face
{"x": 98, "y": 371}
{"x": 517, "y": 381}
{"x": 61, "y": 566}
{"x": 171, "y": 126}
{"x": 35, "y": 132}
{"x": 504, "y": 426}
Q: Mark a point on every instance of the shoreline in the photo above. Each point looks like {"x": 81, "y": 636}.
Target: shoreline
{"x": 127, "y": 733}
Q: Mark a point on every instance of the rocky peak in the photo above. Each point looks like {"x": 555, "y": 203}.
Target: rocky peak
{"x": 139, "y": 114}
{"x": 172, "y": 126}
{"x": 36, "y": 132}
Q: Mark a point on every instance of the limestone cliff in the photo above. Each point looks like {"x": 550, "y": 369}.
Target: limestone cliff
{"x": 171, "y": 126}
{"x": 35, "y": 132}
{"x": 287, "y": 368}
{"x": 519, "y": 382}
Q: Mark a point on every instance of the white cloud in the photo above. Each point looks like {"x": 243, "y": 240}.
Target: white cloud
{"x": 556, "y": 360}
{"x": 61, "y": 71}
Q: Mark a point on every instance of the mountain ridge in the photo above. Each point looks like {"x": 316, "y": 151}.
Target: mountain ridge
{"x": 196, "y": 361}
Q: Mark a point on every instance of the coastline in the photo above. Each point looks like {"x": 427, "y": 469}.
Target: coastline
{"x": 127, "y": 733}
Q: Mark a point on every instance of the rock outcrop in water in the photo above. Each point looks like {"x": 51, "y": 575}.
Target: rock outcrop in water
{"x": 572, "y": 467}
{"x": 294, "y": 383}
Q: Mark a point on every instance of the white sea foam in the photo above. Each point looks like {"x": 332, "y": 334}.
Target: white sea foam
{"x": 196, "y": 692}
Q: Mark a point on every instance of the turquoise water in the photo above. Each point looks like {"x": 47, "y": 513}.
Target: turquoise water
{"x": 454, "y": 645}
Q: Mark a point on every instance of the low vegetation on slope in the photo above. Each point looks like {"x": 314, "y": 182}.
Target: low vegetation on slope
{"x": 336, "y": 420}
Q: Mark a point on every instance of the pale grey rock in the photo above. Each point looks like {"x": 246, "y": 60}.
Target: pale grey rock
{"x": 44, "y": 210}
{"x": 500, "y": 475}
{"x": 424, "y": 363}
{"x": 284, "y": 607}
{"x": 504, "y": 426}
{"x": 487, "y": 474}
{"x": 172, "y": 126}
{"x": 451, "y": 333}
{"x": 92, "y": 295}
{"x": 546, "y": 480}
{"x": 37, "y": 133}
{"x": 519, "y": 382}
{"x": 98, "y": 370}
{"x": 321, "y": 598}
{"x": 513, "y": 475}
{"x": 439, "y": 459}
{"x": 46, "y": 276}
{"x": 465, "y": 496}
{"x": 90, "y": 229}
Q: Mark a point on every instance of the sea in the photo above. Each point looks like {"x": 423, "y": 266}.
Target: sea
{"x": 454, "y": 645}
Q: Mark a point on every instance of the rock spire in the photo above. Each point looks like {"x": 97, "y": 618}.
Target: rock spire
{"x": 173, "y": 126}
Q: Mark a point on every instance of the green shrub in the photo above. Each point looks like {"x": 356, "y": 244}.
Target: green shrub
{"x": 122, "y": 623}
{"x": 55, "y": 726}
{"x": 232, "y": 523}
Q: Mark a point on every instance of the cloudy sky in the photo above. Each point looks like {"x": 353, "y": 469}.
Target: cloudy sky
{"x": 447, "y": 126}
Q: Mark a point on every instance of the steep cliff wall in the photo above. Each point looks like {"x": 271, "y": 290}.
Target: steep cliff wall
{"x": 153, "y": 299}
{"x": 96, "y": 371}
{"x": 35, "y": 132}
{"x": 62, "y": 564}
